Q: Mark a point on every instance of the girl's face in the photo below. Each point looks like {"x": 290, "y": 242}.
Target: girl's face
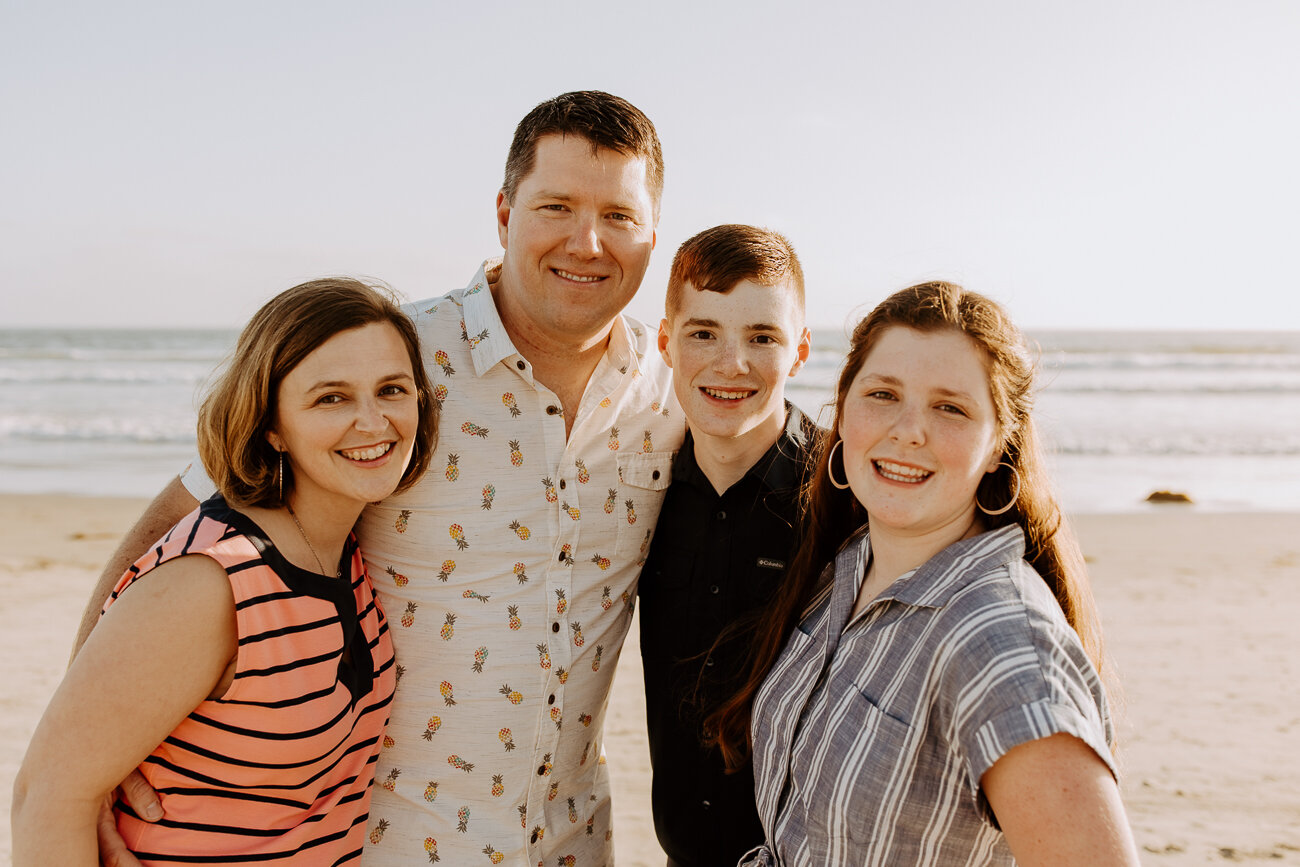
{"x": 920, "y": 431}
{"x": 347, "y": 417}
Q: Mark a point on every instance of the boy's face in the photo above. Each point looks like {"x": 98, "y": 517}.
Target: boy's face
{"x": 731, "y": 355}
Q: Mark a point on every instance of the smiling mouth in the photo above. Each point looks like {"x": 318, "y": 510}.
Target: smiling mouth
{"x": 900, "y": 473}
{"x": 366, "y": 454}
{"x": 576, "y": 278}
{"x": 728, "y": 394}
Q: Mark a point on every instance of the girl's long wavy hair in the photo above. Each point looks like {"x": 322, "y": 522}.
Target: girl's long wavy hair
{"x": 831, "y": 515}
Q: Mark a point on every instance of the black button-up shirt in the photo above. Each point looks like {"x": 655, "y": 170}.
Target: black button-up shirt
{"x": 714, "y": 560}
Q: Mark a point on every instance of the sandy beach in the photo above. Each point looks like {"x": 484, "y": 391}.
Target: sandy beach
{"x": 1199, "y": 611}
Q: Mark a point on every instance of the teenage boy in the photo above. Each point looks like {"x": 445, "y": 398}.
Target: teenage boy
{"x": 734, "y": 332}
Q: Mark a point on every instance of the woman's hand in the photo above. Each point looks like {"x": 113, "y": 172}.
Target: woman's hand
{"x": 1058, "y": 805}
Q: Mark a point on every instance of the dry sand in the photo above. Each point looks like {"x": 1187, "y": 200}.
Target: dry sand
{"x": 1200, "y": 612}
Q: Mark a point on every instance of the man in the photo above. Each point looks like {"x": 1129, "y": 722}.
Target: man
{"x": 508, "y": 572}
{"x": 733, "y": 334}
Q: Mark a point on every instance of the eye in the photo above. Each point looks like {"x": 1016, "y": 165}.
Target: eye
{"x": 620, "y": 217}
{"x": 390, "y": 390}
{"x": 880, "y": 394}
{"x": 554, "y": 208}
{"x": 951, "y": 408}
{"x": 329, "y": 400}
{"x": 700, "y": 335}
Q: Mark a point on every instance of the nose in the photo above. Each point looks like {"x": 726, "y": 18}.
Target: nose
{"x": 370, "y": 416}
{"x": 909, "y": 425}
{"x": 730, "y": 359}
{"x": 584, "y": 240}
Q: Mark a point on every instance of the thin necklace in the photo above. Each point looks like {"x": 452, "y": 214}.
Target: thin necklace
{"x": 339, "y": 572}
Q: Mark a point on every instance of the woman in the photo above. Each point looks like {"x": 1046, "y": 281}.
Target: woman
{"x": 244, "y": 661}
{"x": 937, "y": 700}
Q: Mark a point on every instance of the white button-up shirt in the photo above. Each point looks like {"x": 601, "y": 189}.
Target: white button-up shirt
{"x": 508, "y": 575}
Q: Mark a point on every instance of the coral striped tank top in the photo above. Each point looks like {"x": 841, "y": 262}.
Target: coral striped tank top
{"x": 278, "y": 770}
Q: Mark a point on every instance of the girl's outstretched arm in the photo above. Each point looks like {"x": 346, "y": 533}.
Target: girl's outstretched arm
{"x": 1058, "y": 805}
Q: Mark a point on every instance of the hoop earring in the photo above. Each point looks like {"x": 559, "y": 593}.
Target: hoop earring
{"x": 279, "y": 478}
{"x": 1014, "y": 496}
{"x": 830, "y": 466}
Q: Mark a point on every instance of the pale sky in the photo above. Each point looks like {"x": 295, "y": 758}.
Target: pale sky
{"x": 1100, "y": 164}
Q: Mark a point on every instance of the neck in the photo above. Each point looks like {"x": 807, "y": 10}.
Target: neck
{"x": 562, "y": 365}
{"x": 725, "y": 460}
{"x": 893, "y": 554}
{"x": 326, "y": 528}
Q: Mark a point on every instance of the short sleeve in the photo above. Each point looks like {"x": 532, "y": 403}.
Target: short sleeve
{"x": 195, "y": 480}
{"x": 1019, "y": 673}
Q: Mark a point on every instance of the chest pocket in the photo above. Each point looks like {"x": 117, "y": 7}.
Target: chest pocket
{"x": 887, "y": 749}
{"x": 643, "y": 478}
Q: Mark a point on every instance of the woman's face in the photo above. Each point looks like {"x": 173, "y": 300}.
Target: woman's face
{"x": 919, "y": 431}
{"x": 347, "y": 417}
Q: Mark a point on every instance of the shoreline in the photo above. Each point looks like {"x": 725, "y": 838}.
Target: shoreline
{"x": 1198, "y": 610}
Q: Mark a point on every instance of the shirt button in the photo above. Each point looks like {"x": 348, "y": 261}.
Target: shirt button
{"x": 655, "y": 475}
{"x": 722, "y": 516}
{"x": 705, "y": 804}
{"x": 552, "y": 410}
{"x": 713, "y": 588}
{"x": 561, "y": 557}
{"x": 534, "y": 837}
{"x": 550, "y": 699}
{"x": 541, "y": 772}
{"x": 708, "y": 662}
{"x": 555, "y": 627}
{"x": 563, "y": 484}
{"x": 520, "y": 365}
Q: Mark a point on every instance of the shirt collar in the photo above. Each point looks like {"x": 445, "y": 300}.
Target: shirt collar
{"x": 781, "y": 467}
{"x": 933, "y": 583}
{"x": 786, "y": 463}
{"x": 490, "y": 344}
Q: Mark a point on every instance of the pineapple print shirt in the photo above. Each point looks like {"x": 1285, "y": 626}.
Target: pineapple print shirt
{"x": 279, "y": 770}
{"x": 509, "y": 572}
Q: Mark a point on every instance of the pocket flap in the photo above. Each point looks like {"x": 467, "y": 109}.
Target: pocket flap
{"x": 653, "y": 471}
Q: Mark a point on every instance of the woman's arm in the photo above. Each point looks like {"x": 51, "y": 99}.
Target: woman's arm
{"x": 163, "y": 647}
{"x": 1058, "y": 805}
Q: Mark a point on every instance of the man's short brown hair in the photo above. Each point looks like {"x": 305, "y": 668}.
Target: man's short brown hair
{"x": 605, "y": 120}
{"x": 717, "y": 259}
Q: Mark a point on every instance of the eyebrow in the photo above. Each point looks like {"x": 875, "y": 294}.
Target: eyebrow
{"x": 713, "y": 323}
{"x": 551, "y": 195}
{"x": 339, "y": 383}
{"x": 893, "y": 380}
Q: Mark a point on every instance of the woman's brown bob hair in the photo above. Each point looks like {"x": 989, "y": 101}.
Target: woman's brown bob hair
{"x": 831, "y": 516}
{"x": 241, "y": 405}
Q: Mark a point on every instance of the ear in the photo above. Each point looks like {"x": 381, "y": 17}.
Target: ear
{"x": 274, "y": 439}
{"x": 503, "y": 218}
{"x": 654, "y": 237}
{"x": 801, "y": 352}
{"x": 996, "y": 460}
{"x": 663, "y": 343}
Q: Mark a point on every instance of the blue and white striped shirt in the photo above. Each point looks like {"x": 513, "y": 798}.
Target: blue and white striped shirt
{"x": 870, "y": 737}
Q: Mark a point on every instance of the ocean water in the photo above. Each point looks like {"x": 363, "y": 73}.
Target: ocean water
{"x": 1213, "y": 414}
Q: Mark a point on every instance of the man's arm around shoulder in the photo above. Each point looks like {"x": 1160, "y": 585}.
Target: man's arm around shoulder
{"x": 174, "y": 503}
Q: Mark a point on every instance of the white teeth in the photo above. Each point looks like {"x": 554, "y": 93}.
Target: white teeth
{"x": 366, "y": 454}
{"x": 566, "y": 275}
{"x": 727, "y": 395}
{"x": 900, "y": 473}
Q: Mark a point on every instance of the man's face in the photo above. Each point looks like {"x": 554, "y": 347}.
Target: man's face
{"x": 577, "y": 241}
{"x": 731, "y": 355}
